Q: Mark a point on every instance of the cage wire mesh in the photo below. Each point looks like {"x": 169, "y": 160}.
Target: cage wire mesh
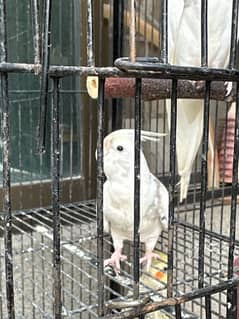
{"x": 52, "y": 253}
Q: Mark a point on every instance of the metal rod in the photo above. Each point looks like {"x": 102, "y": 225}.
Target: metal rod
{"x": 6, "y": 209}
{"x": 137, "y": 147}
{"x": 203, "y": 196}
{"x": 192, "y": 295}
{"x": 36, "y": 30}
{"x": 56, "y": 200}
{"x": 204, "y": 34}
{"x": 234, "y": 32}
{"x": 172, "y": 168}
{"x": 118, "y": 34}
{"x": 126, "y": 69}
{"x": 233, "y": 217}
{"x": 164, "y": 33}
{"x": 132, "y": 44}
{"x": 90, "y": 34}
{"x": 178, "y": 312}
{"x": 99, "y": 201}
{"x": 208, "y": 307}
{"x": 45, "y": 74}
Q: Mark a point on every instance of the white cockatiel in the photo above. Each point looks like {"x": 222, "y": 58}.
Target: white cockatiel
{"x": 184, "y": 46}
{"x": 118, "y": 196}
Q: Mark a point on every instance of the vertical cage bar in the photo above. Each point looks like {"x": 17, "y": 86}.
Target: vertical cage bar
{"x": 100, "y": 185}
{"x": 172, "y": 161}
{"x": 203, "y": 196}
{"x": 56, "y": 199}
{"x": 137, "y": 147}
{"x": 234, "y": 32}
{"x": 118, "y": 33}
{"x": 204, "y": 33}
{"x": 164, "y": 31}
{"x": 44, "y": 74}
{"x": 132, "y": 44}
{"x": 208, "y": 307}
{"x": 178, "y": 313}
{"x": 231, "y": 253}
{"x": 36, "y": 30}
{"x": 90, "y": 34}
{"x": 7, "y": 212}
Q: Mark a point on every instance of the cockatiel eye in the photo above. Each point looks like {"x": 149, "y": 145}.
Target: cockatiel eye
{"x": 120, "y": 148}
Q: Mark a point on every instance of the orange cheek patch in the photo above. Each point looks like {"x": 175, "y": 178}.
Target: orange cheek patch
{"x": 107, "y": 145}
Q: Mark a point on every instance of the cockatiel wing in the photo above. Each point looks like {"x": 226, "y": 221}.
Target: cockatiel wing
{"x": 162, "y": 203}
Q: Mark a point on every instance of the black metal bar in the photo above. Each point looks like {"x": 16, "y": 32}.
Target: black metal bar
{"x": 90, "y": 34}
{"x": 139, "y": 69}
{"x": 118, "y": 34}
{"x": 164, "y": 32}
{"x": 45, "y": 74}
{"x": 192, "y": 295}
{"x": 6, "y": 189}
{"x": 234, "y": 33}
{"x": 137, "y": 147}
{"x": 172, "y": 168}
{"x": 99, "y": 201}
{"x": 56, "y": 199}
{"x": 209, "y": 233}
{"x": 231, "y": 254}
{"x": 178, "y": 312}
{"x": 208, "y": 307}
{"x": 204, "y": 34}
{"x": 36, "y": 30}
{"x": 203, "y": 197}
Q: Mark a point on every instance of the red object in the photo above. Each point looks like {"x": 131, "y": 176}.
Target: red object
{"x": 226, "y": 151}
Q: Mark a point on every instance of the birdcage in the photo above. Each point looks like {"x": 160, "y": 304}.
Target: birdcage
{"x": 53, "y": 55}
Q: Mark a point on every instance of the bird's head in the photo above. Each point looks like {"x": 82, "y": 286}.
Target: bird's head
{"x": 119, "y": 152}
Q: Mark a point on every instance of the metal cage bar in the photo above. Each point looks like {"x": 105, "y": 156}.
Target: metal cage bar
{"x": 36, "y": 30}
{"x": 45, "y": 74}
{"x": 203, "y": 185}
{"x": 56, "y": 200}
{"x": 233, "y": 217}
{"x": 173, "y": 125}
{"x": 90, "y": 34}
{"x": 164, "y": 32}
{"x": 234, "y": 33}
{"x": 7, "y": 211}
{"x": 137, "y": 150}
{"x": 204, "y": 34}
{"x": 99, "y": 203}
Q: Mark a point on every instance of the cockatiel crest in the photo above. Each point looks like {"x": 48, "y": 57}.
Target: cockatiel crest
{"x": 119, "y": 195}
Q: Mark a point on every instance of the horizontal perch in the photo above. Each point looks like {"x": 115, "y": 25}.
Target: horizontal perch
{"x": 156, "y": 89}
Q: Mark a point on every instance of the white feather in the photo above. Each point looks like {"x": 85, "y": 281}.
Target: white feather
{"x": 185, "y": 50}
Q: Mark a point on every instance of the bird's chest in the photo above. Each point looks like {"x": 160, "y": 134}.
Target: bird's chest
{"x": 120, "y": 212}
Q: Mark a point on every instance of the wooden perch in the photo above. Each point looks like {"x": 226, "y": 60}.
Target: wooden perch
{"x": 153, "y": 89}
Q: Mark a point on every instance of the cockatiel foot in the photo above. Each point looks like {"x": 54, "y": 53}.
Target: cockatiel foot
{"x": 115, "y": 260}
{"x": 147, "y": 259}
